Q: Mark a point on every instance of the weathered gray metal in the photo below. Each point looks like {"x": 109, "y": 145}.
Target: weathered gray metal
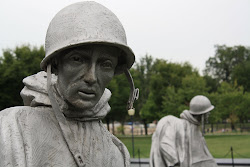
{"x": 200, "y": 105}
{"x": 60, "y": 124}
{"x": 86, "y": 23}
{"x": 179, "y": 142}
{"x": 30, "y": 135}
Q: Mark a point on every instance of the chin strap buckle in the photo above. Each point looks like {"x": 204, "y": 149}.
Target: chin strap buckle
{"x": 134, "y": 92}
{"x": 79, "y": 160}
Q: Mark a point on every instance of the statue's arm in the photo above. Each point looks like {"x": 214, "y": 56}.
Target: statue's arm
{"x": 11, "y": 141}
{"x": 168, "y": 148}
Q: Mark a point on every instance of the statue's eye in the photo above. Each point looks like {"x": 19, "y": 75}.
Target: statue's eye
{"x": 107, "y": 64}
{"x": 76, "y": 58}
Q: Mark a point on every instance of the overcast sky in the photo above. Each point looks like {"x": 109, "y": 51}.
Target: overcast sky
{"x": 176, "y": 30}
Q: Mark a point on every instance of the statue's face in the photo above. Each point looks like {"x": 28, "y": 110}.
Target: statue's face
{"x": 207, "y": 116}
{"x": 83, "y": 74}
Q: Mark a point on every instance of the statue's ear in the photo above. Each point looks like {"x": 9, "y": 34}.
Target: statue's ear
{"x": 54, "y": 66}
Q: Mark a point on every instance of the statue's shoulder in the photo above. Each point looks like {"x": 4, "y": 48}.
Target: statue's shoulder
{"x": 14, "y": 111}
{"x": 169, "y": 117}
{"x": 23, "y": 113}
{"x": 168, "y": 120}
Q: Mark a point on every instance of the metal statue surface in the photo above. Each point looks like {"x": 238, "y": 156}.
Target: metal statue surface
{"x": 179, "y": 142}
{"x": 60, "y": 122}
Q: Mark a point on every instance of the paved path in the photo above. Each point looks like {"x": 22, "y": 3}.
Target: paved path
{"x": 144, "y": 165}
{"x": 145, "y": 162}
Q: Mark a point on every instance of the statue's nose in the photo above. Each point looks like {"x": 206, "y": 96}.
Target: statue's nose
{"x": 90, "y": 75}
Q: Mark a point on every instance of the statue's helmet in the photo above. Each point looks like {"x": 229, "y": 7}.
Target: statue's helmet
{"x": 85, "y": 23}
{"x": 200, "y": 105}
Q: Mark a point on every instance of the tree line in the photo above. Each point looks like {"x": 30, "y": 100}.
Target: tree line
{"x": 166, "y": 88}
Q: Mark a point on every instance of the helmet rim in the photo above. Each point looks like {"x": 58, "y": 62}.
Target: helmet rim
{"x": 129, "y": 54}
{"x": 202, "y": 112}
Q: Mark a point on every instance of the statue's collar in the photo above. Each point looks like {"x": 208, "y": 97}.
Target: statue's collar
{"x": 35, "y": 94}
{"x": 187, "y": 116}
{"x": 99, "y": 111}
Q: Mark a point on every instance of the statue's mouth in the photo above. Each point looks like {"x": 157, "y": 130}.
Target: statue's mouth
{"x": 87, "y": 94}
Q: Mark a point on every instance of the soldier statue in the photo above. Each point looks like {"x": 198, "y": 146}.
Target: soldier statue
{"x": 60, "y": 123}
{"x": 179, "y": 142}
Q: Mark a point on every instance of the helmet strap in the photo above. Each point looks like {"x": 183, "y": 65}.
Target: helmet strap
{"x": 134, "y": 92}
{"x": 64, "y": 127}
{"x": 202, "y": 124}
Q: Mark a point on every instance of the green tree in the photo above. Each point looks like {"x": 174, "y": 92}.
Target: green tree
{"x": 164, "y": 75}
{"x": 233, "y": 104}
{"x": 221, "y": 66}
{"x": 215, "y": 116}
{"x": 241, "y": 75}
{"x": 177, "y": 100}
{"x": 142, "y": 76}
{"x": 211, "y": 83}
{"x": 15, "y": 65}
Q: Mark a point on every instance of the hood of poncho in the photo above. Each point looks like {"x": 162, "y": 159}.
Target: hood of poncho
{"x": 35, "y": 94}
{"x": 187, "y": 116}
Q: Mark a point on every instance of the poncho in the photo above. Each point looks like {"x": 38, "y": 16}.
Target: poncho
{"x": 31, "y": 136}
{"x": 179, "y": 142}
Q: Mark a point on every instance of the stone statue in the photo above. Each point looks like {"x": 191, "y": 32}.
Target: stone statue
{"x": 60, "y": 124}
{"x": 179, "y": 142}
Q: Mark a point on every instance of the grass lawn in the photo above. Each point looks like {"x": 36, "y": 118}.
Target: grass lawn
{"x": 142, "y": 143}
{"x": 219, "y": 145}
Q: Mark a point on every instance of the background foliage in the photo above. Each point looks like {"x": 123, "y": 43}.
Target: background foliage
{"x": 165, "y": 87}
{"x": 15, "y": 65}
